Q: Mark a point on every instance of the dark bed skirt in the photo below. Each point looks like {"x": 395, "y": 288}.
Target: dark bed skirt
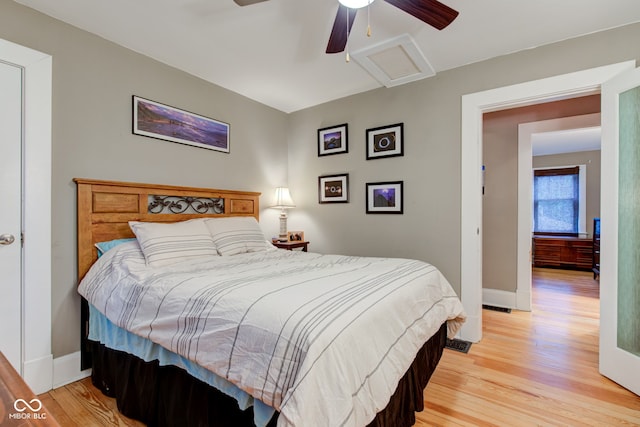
{"x": 169, "y": 396}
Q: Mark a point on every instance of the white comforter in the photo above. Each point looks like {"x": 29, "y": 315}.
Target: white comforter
{"x": 324, "y": 339}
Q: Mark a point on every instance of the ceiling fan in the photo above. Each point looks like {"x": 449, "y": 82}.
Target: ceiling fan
{"x": 432, "y": 12}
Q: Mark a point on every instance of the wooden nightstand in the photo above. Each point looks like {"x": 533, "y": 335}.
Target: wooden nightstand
{"x": 291, "y": 245}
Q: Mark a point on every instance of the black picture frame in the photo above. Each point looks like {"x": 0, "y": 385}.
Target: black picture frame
{"x": 160, "y": 121}
{"x": 333, "y": 140}
{"x": 385, "y": 141}
{"x": 333, "y": 188}
{"x": 385, "y": 197}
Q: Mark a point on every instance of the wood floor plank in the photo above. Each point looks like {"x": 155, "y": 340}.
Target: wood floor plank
{"x": 56, "y": 410}
{"x": 537, "y": 368}
{"x": 84, "y": 405}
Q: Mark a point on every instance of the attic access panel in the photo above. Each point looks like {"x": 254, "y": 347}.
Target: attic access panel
{"x": 395, "y": 62}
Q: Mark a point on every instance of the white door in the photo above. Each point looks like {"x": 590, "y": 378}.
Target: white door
{"x": 620, "y": 231}
{"x": 10, "y": 212}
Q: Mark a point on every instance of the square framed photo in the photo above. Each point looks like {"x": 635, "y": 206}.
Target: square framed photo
{"x": 385, "y": 141}
{"x": 385, "y": 197}
{"x": 333, "y": 140}
{"x": 333, "y": 188}
{"x": 161, "y": 121}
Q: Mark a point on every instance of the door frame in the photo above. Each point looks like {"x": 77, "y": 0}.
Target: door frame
{"x": 525, "y": 193}
{"x": 37, "y": 360}
{"x": 473, "y": 106}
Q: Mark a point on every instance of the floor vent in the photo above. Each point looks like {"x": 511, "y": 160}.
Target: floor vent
{"x": 458, "y": 345}
{"x": 494, "y": 308}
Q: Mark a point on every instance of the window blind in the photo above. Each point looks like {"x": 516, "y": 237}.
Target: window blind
{"x": 556, "y": 197}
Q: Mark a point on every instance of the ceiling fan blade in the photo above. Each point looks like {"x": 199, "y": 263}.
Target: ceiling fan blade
{"x": 432, "y": 12}
{"x": 247, "y": 2}
{"x": 340, "y": 33}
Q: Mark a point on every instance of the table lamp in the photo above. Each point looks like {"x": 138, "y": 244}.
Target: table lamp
{"x": 283, "y": 201}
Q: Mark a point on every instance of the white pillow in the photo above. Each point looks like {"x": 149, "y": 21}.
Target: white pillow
{"x": 167, "y": 243}
{"x": 236, "y": 235}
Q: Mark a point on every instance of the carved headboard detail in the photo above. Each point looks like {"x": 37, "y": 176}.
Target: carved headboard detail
{"x": 106, "y": 207}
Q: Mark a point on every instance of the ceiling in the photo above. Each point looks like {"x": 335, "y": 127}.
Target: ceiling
{"x": 566, "y": 141}
{"x": 273, "y": 52}
{"x": 564, "y": 134}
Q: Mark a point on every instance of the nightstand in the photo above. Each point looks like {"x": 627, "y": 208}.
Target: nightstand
{"x": 291, "y": 245}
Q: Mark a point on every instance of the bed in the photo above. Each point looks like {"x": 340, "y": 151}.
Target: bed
{"x": 247, "y": 334}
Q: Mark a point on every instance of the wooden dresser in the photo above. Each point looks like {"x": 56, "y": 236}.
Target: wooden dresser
{"x": 19, "y": 407}
{"x": 563, "y": 252}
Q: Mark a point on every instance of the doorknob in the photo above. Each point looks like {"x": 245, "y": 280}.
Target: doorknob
{"x": 7, "y": 239}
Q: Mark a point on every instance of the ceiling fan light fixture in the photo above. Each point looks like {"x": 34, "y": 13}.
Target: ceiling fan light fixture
{"x": 355, "y": 4}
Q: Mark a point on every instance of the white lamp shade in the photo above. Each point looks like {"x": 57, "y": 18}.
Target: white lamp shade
{"x": 355, "y": 4}
{"x": 282, "y": 199}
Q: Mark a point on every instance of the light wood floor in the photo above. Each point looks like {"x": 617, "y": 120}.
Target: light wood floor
{"x": 536, "y": 368}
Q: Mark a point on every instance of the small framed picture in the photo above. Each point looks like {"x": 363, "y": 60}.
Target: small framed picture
{"x": 295, "y": 236}
{"x": 333, "y": 188}
{"x": 333, "y": 140}
{"x": 385, "y": 141}
{"x": 384, "y": 197}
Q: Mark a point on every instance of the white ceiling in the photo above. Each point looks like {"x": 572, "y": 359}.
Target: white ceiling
{"x": 566, "y": 141}
{"x": 273, "y": 52}
{"x": 564, "y": 134}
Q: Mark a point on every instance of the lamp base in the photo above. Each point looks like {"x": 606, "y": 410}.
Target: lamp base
{"x": 282, "y": 237}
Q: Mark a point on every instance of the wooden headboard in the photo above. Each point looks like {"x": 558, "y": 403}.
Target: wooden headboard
{"x": 106, "y": 207}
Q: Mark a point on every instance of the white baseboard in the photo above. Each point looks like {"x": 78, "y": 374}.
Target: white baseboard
{"x": 471, "y": 329}
{"x": 38, "y": 373}
{"x": 66, "y": 369}
{"x": 498, "y": 298}
{"x": 519, "y": 300}
{"x": 523, "y": 299}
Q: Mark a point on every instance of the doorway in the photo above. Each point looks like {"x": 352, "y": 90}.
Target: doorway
{"x": 36, "y": 364}
{"x": 473, "y": 106}
{"x": 553, "y": 134}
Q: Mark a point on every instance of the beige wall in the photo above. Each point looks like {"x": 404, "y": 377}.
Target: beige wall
{"x": 93, "y": 82}
{"x": 500, "y": 200}
{"x": 591, "y": 159}
{"x": 431, "y": 112}
{"x": 92, "y": 87}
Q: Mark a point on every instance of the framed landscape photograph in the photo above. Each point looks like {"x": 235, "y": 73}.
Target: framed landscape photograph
{"x": 384, "y": 197}
{"x": 333, "y": 188}
{"x": 385, "y": 141}
{"x": 333, "y": 140}
{"x": 161, "y": 121}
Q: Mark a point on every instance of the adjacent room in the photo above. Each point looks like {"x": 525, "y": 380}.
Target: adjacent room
{"x": 320, "y": 212}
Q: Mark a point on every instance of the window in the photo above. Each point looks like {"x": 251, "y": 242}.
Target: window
{"x": 556, "y": 201}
